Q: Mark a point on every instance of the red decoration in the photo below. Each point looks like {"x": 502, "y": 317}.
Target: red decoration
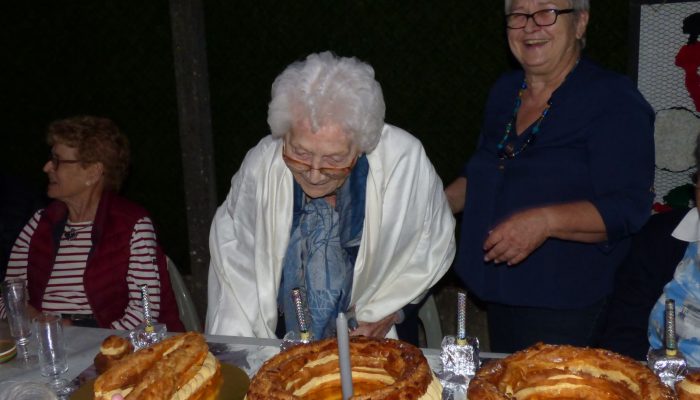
{"x": 688, "y": 58}
{"x": 661, "y": 208}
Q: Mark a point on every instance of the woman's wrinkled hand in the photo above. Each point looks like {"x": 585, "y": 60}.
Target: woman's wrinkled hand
{"x": 514, "y": 239}
{"x": 377, "y": 329}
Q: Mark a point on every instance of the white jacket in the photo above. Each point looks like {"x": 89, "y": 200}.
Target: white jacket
{"x": 407, "y": 240}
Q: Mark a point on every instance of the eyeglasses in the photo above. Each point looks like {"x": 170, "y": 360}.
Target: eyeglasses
{"x": 56, "y": 162}
{"x": 302, "y": 167}
{"x": 542, "y": 18}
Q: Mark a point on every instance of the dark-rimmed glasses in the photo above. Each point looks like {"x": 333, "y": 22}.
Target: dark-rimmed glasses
{"x": 56, "y": 162}
{"x": 302, "y": 167}
{"x": 541, "y": 18}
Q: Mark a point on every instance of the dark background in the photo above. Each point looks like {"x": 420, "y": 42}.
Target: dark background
{"x": 435, "y": 61}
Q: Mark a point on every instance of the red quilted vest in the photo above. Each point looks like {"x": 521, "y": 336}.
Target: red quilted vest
{"x": 105, "y": 274}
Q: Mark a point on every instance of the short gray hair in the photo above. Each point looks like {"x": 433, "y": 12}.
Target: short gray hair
{"x": 328, "y": 89}
{"x": 577, "y": 5}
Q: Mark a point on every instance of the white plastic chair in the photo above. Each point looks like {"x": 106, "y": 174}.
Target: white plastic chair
{"x": 185, "y": 305}
{"x": 430, "y": 318}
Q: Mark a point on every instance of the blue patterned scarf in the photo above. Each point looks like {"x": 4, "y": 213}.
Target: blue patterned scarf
{"x": 322, "y": 251}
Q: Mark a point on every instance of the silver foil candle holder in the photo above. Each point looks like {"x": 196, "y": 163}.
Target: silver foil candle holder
{"x": 293, "y": 338}
{"x": 460, "y": 353}
{"x": 148, "y": 332}
{"x": 668, "y": 363}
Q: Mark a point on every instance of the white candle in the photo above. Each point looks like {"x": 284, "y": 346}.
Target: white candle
{"x": 341, "y": 324}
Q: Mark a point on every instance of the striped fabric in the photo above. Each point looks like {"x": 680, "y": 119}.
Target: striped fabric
{"x": 65, "y": 292}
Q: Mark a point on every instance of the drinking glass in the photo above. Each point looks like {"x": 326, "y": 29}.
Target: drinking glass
{"x": 14, "y": 294}
{"x": 53, "y": 360}
{"x": 24, "y": 390}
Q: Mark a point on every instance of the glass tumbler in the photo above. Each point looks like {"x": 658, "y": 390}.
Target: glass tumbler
{"x": 15, "y": 296}
{"x": 53, "y": 360}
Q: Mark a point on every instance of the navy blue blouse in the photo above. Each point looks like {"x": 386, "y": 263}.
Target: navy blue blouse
{"x": 595, "y": 144}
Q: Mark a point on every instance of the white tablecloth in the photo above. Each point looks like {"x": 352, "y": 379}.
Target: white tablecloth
{"x": 82, "y": 344}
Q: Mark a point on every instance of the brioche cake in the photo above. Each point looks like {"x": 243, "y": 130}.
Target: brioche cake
{"x": 689, "y": 388}
{"x": 566, "y": 372}
{"x": 113, "y": 348}
{"x": 178, "y": 368}
{"x": 382, "y": 369}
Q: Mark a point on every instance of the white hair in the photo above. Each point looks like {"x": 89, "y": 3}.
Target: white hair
{"x": 578, "y": 5}
{"x": 326, "y": 90}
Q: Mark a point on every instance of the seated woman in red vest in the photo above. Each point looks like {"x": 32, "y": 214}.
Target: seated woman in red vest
{"x": 87, "y": 253}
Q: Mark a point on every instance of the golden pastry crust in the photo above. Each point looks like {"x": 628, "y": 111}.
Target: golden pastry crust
{"x": 210, "y": 391}
{"x": 113, "y": 348}
{"x": 179, "y": 367}
{"x": 382, "y": 369}
{"x": 163, "y": 379}
{"x": 689, "y": 387}
{"x": 555, "y": 372}
{"x": 128, "y": 371}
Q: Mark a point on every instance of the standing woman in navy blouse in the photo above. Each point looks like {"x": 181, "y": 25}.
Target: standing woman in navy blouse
{"x": 561, "y": 177}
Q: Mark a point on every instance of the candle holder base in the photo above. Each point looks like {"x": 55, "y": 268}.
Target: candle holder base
{"x": 669, "y": 368}
{"x": 454, "y": 387}
{"x": 460, "y": 358}
{"x": 142, "y": 337}
{"x": 293, "y": 338}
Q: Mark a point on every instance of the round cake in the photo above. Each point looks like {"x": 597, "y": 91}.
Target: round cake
{"x": 381, "y": 369}
{"x": 555, "y": 372}
{"x": 689, "y": 388}
{"x": 178, "y": 368}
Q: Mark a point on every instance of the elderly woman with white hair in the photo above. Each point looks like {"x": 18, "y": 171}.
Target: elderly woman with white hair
{"x": 334, "y": 202}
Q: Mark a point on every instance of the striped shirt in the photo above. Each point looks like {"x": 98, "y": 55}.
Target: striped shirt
{"x": 65, "y": 291}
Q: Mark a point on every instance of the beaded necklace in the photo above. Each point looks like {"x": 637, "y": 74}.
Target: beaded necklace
{"x": 508, "y": 150}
